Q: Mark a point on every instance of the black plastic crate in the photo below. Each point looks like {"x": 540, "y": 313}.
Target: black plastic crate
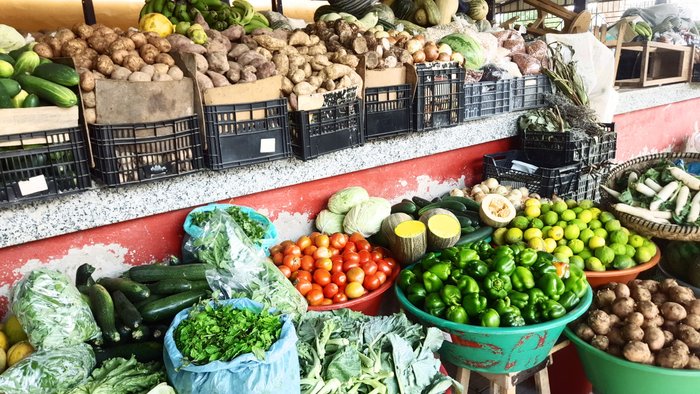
{"x": 243, "y": 134}
{"x": 558, "y": 149}
{"x": 486, "y": 98}
{"x": 562, "y": 181}
{"x": 388, "y": 111}
{"x": 696, "y": 73}
{"x": 528, "y": 92}
{"x": 42, "y": 164}
{"x": 439, "y": 100}
{"x": 325, "y": 130}
{"x": 589, "y": 184}
{"x": 133, "y": 153}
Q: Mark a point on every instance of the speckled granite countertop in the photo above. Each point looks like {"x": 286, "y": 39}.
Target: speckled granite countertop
{"x": 100, "y": 206}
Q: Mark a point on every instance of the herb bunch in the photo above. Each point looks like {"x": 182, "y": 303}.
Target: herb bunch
{"x": 564, "y": 76}
{"x": 253, "y": 229}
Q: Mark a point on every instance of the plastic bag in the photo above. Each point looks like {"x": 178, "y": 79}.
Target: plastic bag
{"x": 49, "y": 371}
{"x": 277, "y": 373}
{"x": 240, "y": 271}
{"x": 538, "y": 50}
{"x": 52, "y": 310}
{"x": 494, "y": 73}
{"x": 527, "y": 64}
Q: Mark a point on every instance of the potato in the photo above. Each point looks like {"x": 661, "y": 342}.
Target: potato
{"x": 119, "y": 56}
{"x": 64, "y": 35}
{"x": 689, "y": 336}
{"x": 138, "y": 76}
{"x": 598, "y": 320}
{"x": 55, "y": 45}
{"x": 148, "y": 69}
{"x": 89, "y": 99}
{"x": 281, "y": 63}
{"x": 121, "y": 43}
{"x": 297, "y": 76}
{"x": 672, "y": 358}
{"x": 672, "y": 311}
{"x": 681, "y": 295}
{"x": 651, "y": 285}
{"x": 636, "y": 352}
{"x": 615, "y": 350}
{"x": 600, "y": 341}
{"x": 667, "y": 283}
{"x": 693, "y": 321}
{"x": 604, "y": 298}
{"x": 296, "y": 60}
{"x": 87, "y": 81}
{"x": 632, "y": 332}
{"x": 668, "y": 337}
{"x": 139, "y": 39}
{"x": 615, "y": 336}
{"x": 148, "y": 53}
{"x": 640, "y": 294}
{"x": 635, "y": 318}
{"x": 269, "y": 42}
{"x": 166, "y": 59}
{"x": 133, "y": 62}
{"x": 73, "y": 47}
{"x": 623, "y": 306}
{"x": 175, "y": 73}
{"x": 659, "y": 298}
{"x": 299, "y": 37}
{"x": 160, "y": 43}
{"x": 98, "y": 75}
{"x": 614, "y": 320}
{"x": 161, "y": 77}
{"x": 622, "y": 290}
{"x": 120, "y": 73}
{"x": 694, "y": 307}
{"x": 160, "y": 68}
{"x": 104, "y": 65}
{"x": 43, "y": 50}
{"x": 287, "y": 86}
{"x": 83, "y": 30}
{"x": 307, "y": 70}
{"x": 217, "y": 79}
{"x": 693, "y": 362}
{"x": 648, "y": 309}
{"x": 583, "y": 331}
{"x": 90, "y": 115}
{"x": 203, "y": 81}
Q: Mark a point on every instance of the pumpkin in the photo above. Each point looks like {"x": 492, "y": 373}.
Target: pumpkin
{"x": 410, "y": 243}
{"x": 496, "y": 210}
{"x": 389, "y": 224}
{"x": 443, "y": 229}
{"x": 478, "y": 9}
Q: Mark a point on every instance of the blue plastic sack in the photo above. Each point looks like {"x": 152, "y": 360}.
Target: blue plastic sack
{"x": 278, "y": 373}
{"x": 269, "y": 239}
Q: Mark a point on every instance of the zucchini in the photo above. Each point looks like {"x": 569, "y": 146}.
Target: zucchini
{"x": 158, "y": 332}
{"x": 26, "y": 63}
{"x": 47, "y": 90}
{"x": 143, "y": 351}
{"x": 31, "y": 101}
{"x": 420, "y": 202}
{"x": 174, "y": 286}
{"x": 15, "y": 54}
{"x": 124, "y": 331}
{"x": 57, "y": 73}
{"x": 468, "y": 229}
{"x": 7, "y": 58}
{"x": 404, "y": 207}
{"x": 83, "y": 275}
{"x": 5, "y": 101}
{"x": 155, "y": 273}
{"x": 148, "y": 300}
{"x": 472, "y": 216}
{"x": 166, "y": 308}
{"x": 6, "y": 69}
{"x": 135, "y": 291}
{"x": 476, "y": 235}
{"x": 464, "y": 221}
{"x": 126, "y": 311}
{"x": 141, "y": 333}
{"x": 103, "y": 310}
{"x": 468, "y": 202}
{"x": 452, "y": 206}
{"x": 9, "y": 86}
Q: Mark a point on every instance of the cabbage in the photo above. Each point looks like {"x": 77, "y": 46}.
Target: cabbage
{"x": 366, "y": 217}
{"x": 343, "y": 200}
{"x": 10, "y": 39}
{"x": 329, "y": 222}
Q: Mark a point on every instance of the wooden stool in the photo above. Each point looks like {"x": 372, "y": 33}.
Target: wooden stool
{"x": 506, "y": 383}
{"x": 573, "y": 22}
{"x": 661, "y": 64}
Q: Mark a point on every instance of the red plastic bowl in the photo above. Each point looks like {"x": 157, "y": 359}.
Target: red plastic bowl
{"x": 369, "y": 304}
{"x": 600, "y": 278}
{"x": 444, "y": 372}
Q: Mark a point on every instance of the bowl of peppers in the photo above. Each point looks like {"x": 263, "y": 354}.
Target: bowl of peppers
{"x": 503, "y": 307}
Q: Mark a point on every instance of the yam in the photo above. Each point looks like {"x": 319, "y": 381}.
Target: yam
{"x": 319, "y": 49}
{"x": 269, "y": 42}
{"x": 203, "y": 81}
{"x": 281, "y": 63}
{"x": 336, "y": 71}
{"x": 176, "y": 73}
{"x": 372, "y": 60}
{"x": 264, "y": 52}
{"x": 248, "y": 75}
{"x": 217, "y": 79}
{"x": 87, "y": 81}
{"x": 182, "y": 44}
{"x": 287, "y": 86}
{"x": 250, "y": 57}
{"x": 217, "y": 62}
{"x": 304, "y": 88}
{"x": 297, "y": 76}
{"x": 299, "y": 38}
{"x": 237, "y": 51}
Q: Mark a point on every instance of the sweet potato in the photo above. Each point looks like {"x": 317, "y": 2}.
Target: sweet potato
{"x": 299, "y": 37}
{"x": 234, "y": 74}
{"x": 201, "y": 63}
{"x": 87, "y": 81}
{"x": 217, "y": 79}
{"x": 217, "y": 62}
{"x": 265, "y": 70}
{"x": 233, "y": 33}
{"x": 303, "y": 88}
{"x": 281, "y": 63}
{"x": 175, "y": 73}
{"x": 203, "y": 81}
{"x": 182, "y": 44}
{"x": 270, "y": 43}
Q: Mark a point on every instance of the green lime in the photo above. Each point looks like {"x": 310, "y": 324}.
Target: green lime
{"x": 586, "y": 253}
{"x": 571, "y": 203}
{"x": 630, "y": 250}
{"x": 537, "y": 244}
{"x": 550, "y": 218}
{"x": 562, "y": 242}
{"x": 562, "y": 223}
{"x": 586, "y": 234}
{"x": 596, "y": 212}
{"x": 606, "y": 216}
{"x": 532, "y": 233}
{"x": 585, "y": 204}
{"x": 520, "y": 222}
{"x": 561, "y": 257}
{"x": 532, "y": 211}
{"x": 596, "y": 242}
{"x": 594, "y": 264}
{"x": 536, "y": 223}
{"x": 580, "y": 224}
{"x": 568, "y": 215}
{"x": 559, "y": 207}
{"x": 618, "y": 236}
{"x": 618, "y": 249}
{"x": 556, "y": 233}
{"x": 577, "y": 261}
{"x": 623, "y": 262}
{"x": 545, "y": 229}
{"x": 546, "y": 207}
{"x": 636, "y": 241}
{"x": 576, "y": 245}
{"x": 594, "y": 224}
{"x": 600, "y": 232}
{"x": 514, "y": 235}
{"x": 643, "y": 255}
{"x": 577, "y": 210}
{"x": 585, "y": 216}
{"x": 605, "y": 255}
{"x": 499, "y": 236}
{"x": 571, "y": 231}
{"x": 612, "y": 225}
{"x": 651, "y": 246}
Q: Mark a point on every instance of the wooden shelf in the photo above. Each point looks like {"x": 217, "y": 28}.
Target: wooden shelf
{"x": 660, "y": 63}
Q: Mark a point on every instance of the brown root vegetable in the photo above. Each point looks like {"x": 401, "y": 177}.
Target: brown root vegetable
{"x": 43, "y": 50}
{"x": 307, "y": 70}
{"x": 349, "y": 60}
{"x": 319, "y": 49}
{"x": 637, "y": 352}
{"x": 622, "y": 290}
{"x": 148, "y": 69}
{"x": 264, "y": 52}
{"x": 631, "y": 332}
{"x": 672, "y": 358}
{"x": 87, "y": 81}
{"x": 234, "y": 74}
{"x": 121, "y": 43}
{"x": 182, "y": 44}
{"x": 297, "y": 76}
{"x": 315, "y": 81}
{"x": 303, "y": 88}
{"x": 601, "y": 342}
{"x": 266, "y": 70}
{"x": 165, "y": 58}
{"x": 247, "y": 76}
{"x": 694, "y": 307}
{"x": 233, "y": 33}
{"x": 672, "y": 311}
{"x": 89, "y": 99}
{"x": 90, "y": 115}
{"x": 390, "y": 62}
{"x": 689, "y": 336}
{"x": 250, "y": 42}
{"x": 133, "y": 62}
{"x": 615, "y": 350}
{"x": 654, "y": 338}
{"x": 419, "y": 56}
{"x": 281, "y": 63}
{"x": 97, "y": 75}
{"x": 293, "y": 101}
{"x": 83, "y": 30}
{"x": 635, "y": 318}
{"x": 681, "y": 295}
{"x": 648, "y": 309}
{"x": 160, "y": 43}
{"x": 599, "y": 321}
{"x": 104, "y": 65}
{"x": 299, "y": 38}
{"x": 139, "y": 39}
{"x": 139, "y": 76}
{"x": 668, "y": 337}
{"x": 623, "y": 306}
{"x": 238, "y": 50}
{"x": 148, "y": 53}
{"x": 667, "y": 283}
{"x": 176, "y": 73}
{"x": 614, "y": 320}
{"x": 201, "y": 63}
{"x": 659, "y": 298}
{"x": 372, "y": 60}
{"x": 73, "y": 47}
{"x": 656, "y": 321}
{"x": 584, "y": 332}
{"x": 250, "y": 57}
{"x": 329, "y": 85}
{"x": 203, "y": 81}
{"x": 64, "y": 35}
{"x": 217, "y": 79}
{"x": 345, "y": 82}
{"x": 615, "y": 337}
{"x": 336, "y": 71}
{"x": 217, "y": 62}
{"x": 217, "y": 46}
{"x": 651, "y": 285}
{"x": 359, "y": 45}
{"x": 160, "y": 68}
{"x": 287, "y": 86}
{"x": 640, "y": 294}
{"x": 199, "y": 19}
{"x": 693, "y": 362}
{"x": 270, "y": 43}
{"x": 604, "y": 298}
{"x": 693, "y": 320}
{"x": 55, "y": 45}
{"x": 119, "y": 56}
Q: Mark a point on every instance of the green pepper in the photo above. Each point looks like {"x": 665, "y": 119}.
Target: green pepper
{"x": 536, "y": 295}
{"x": 416, "y": 293}
{"x": 541, "y": 268}
{"x": 512, "y": 319}
{"x": 503, "y": 305}
{"x": 484, "y": 249}
{"x": 576, "y": 282}
{"x": 455, "y": 275}
{"x": 527, "y": 257}
{"x": 476, "y": 269}
{"x": 503, "y": 251}
{"x": 466, "y": 255}
{"x": 450, "y": 254}
{"x": 467, "y": 284}
{"x": 517, "y": 249}
{"x": 497, "y": 285}
{"x": 490, "y": 318}
{"x": 457, "y": 314}
{"x": 441, "y": 270}
{"x": 569, "y": 300}
{"x": 522, "y": 279}
{"x": 406, "y": 278}
{"x": 551, "y": 309}
{"x": 429, "y": 260}
{"x": 434, "y": 305}
{"x": 432, "y": 283}
{"x": 504, "y": 265}
{"x": 551, "y": 285}
{"x": 518, "y": 299}
{"x": 450, "y": 295}
{"x": 474, "y": 303}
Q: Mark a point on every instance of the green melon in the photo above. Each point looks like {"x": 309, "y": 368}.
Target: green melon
{"x": 478, "y": 9}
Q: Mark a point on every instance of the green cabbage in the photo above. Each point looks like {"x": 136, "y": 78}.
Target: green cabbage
{"x": 329, "y": 222}
{"x": 343, "y": 200}
{"x": 10, "y": 39}
{"x": 366, "y": 217}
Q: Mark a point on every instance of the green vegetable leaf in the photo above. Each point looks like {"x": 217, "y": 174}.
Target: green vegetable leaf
{"x": 344, "y": 365}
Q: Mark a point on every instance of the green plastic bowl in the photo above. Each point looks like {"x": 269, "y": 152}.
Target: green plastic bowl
{"x": 496, "y": 350}
{"x": 614, "y": 375}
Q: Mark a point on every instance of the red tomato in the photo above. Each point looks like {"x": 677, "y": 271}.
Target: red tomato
{"x": 334, "y": 251}
{"x": 275, "y": 249}
{"x": 339, "y": 278}
{"x": 316, "y": 286}
{"x": 314, "y": 297}
{"x": 390, "y": 261}
{"x": 303, "y": 286}
{"x": 337, "y": 267}
{"x": 365, "y": 256}
{"x": 376, "y": 255}
{"x": 354, "y": 290}
{"x": 322, "y": 252}
{"x": 310, "y": 250}
{"x": 327, "y": 301}
{"x": 313, "y": 235}
{"x": 304, "y": 242}
{"x": 369, "y": 267}
{"x": 371, "y": 282}
{"x": 363, "y": 244}
{"x": 307, "y": 263}
{"x": 286, "y": 243}
{"x": 277, "y": 258}
{"x": 356, "y": 237}
{"x": 285, "y": 270}
{"x": 337, "y": 258}
{"x": 351, "y": 257}
{"x": 350, "y": 247}
{"x": 293, "y": 250}
{"x": 383, "y": 266}
{"x": 382, "y": 277}
{"x": 322, "y": 241}
{"x": 338, "y": 240}
{"x": 347, "y": 265}
{"x": 292, "y": 261}
{"x": 302, "y": 275}
{"x": 330, "y": 290}
{"x": 356, "y": 274}
{"x": 322, "y": 277}
{"x": 340, "y": 297}
{"x": 324, "y": 263}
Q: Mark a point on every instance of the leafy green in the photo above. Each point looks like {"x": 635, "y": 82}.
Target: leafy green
{"x": 122, "y": 376}
{"x": 222, "y": 332}
{"x": 253, "y": 229}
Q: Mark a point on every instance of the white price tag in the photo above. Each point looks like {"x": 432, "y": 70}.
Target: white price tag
{"x": 267, "y": 145}
{"x": 33, "y": 185}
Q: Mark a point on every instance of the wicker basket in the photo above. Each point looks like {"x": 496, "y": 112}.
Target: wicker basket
{"x": 664, "y": 231}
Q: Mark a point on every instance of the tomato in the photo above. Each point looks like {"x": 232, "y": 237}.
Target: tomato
{"x": 277, "y": 258}
{"x": 356, "y": 237}
{"x": 285, "y": 270}
{"x": 337, "y": 267}
{"x": 304, "y": 242}
{"x": 302, "y": 275}
{"x": 364, "y": 256}
{"x": 316, "y": 286}
{"x": 354, "y": 290}
{"x": 381, "y": 276}
{"x": 369, "y": 267}
{"x": 327, "y": 301}
{"x": 383, "y": 266}
{"x": 275, "y": 249}
{"x": 293, "y": 250}
{"x": 363, "y": 244}
{"x": 337, "y": 258}
{"x": 286, "y": 243}
{"x": 313, "y": 235}
{"x": 322, "y": 241}
{"x": 351, "y": 257}
{"x": 340, "y": 297}
{"x": 371, "y": 282}
{"x": 310, "y": 250}
{"x": 324, "y": 263}
{"x": 322, "y": 277}
{"x": 390, "y": 261}
{"x": 355, "y": 274}
{"x": 307, "y": 263}
{"x": 292, "y": 261}
{"x": 322, "y": 252}
{"x": 330, "y": 290}
{"x": 303, "y": 286}
{"x": 339, "y": 278}
{"x": 350, "y": 247}
{"x": 338, "y": 240}
{"x": 334, "y": 251}
{"x": 314, "y": 297}
{"x": 347, "y": 265}
{"x": 376, "y": 255}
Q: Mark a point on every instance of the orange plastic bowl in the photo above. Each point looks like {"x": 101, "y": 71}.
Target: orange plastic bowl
{"x": 369, "y": 304}
{"x": 597, "y": 279}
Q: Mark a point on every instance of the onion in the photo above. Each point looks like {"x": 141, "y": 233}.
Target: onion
{"x": 480, "y": 196}
{"x": 492, "y": 183}
{"x": 524, "y": 191}
{"x": 476, "y": 189}
{"x": 420, "y": 38}
{"x": 485, "y": 187}
{"x": 419, "y": 56}
{"x": 444, "y": 48}
{"x": 392, "y": 40}
{"x": 501, "y": 190}
{"x": 431, "y": 52}
{"x": 515, "y": 193}
{"x": 381, "y": 34}
{"x": 405, "y": 34}
{"x": 413, "y": 46}
{"x": 443, "y": 57}
{"x": 457, "y": 192}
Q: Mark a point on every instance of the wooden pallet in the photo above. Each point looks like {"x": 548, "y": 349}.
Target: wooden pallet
{"x": 661, "y": 64}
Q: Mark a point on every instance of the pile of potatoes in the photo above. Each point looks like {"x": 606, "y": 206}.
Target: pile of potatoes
{"x": 647, "y": 322}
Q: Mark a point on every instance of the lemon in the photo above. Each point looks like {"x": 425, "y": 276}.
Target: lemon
{"x": 14, "y": 330}
{"x": 596, "y": 242}
{"x": 581, "y": 225}
{"x": 594, "y": 224}
{"x": 568, "y": 215}
{"x": 520, "y": 222}
{"x": 618, "y": 237}
{"x": 550, "y": 245}
{"x": 576, "y": 246}
{"x": 644, "y": 254}
{"x": 585, "y": 253}
{"x": 559, "y": 207}
{"x": 537, "y": 244}
{"x": 536, "y": 223}
{"x": 636, "y": 241}
{"x": 600, "y": 232}
{"x": 596, "y": 212}
{"x": 3, "y": 360}
{"x": 4, "y": 342}
{"x": 612, "y": 225}
{"x": 630, "y": 250}
{"x": 532, "y": 211}
{"x": 564, "y": 250}
{"x": 550, "y": 218}
{"x": 18, "y": 351}
{"x": 556, "y": 233}
{"x": 156, "y": 23}
{"x": 514, "y": 235}
{"x": 585, "y": 204}
{"x": 585, "y": 216}
{"x": 618, "y": 249}
{"x": 561, "y": 257}
{"x": 606, "y": 216}
{"x": 605, "y": 255}
{"x": 532, "y": 233}
{"x": 571, "y": 232}
{"x": 571, "y": 203}
{"x": 585, "y": 235}
{"x": 532, "y": 202}
{"x": 577, "y": 261}
{"x": 499, "y": 236}
{"x": 562, "y": 242}
{"x": 593, "y": 264}
{"x": 546, "y": 207}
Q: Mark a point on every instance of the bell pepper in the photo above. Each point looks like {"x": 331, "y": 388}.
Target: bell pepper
{"x": 484, "y": 249}
{"x": 517, "y": 249}
{"x": 540, "y": 268}
{"x": 551, "y": 309}
{"x": 503, "y": 306}
{"x": 450, "y": 295}
{"x": 467, "y": 284}
{"x": 490, "y": 318}
{"x": 569, "y": 300}
{"x": 522, "y": 279}
{"x": 576, "y": 282}
{"x": 455, "y": 275}
{"x": 429, "y": 260}
{"x": 466, "y": 255}
{"x": 527, "y": 257}
{"x": 474, "y": 303}
{"x": 551, "y": 285}
{"x": 503, "y": 251}
{"x": 536, "y": 295}
{"x": 450, "y": 254}
{"x": 504, "y": 265}
{"x": 406, "y": 278}
{"x": 518, "y": 299}
{"x": 434, "y": 305}
{"x": 477, "y": 269}
{"x": 432, "y": 283}
{"x": 497, "y": 285}
{"x": 457, "y": 314}
{"x": 416, "y": 294}
{"x": 512, "y": 319}
{"x": 441, "y": 270}
{"x": 531, "y": 314}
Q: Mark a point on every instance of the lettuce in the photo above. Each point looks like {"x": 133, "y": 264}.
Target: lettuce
{"x": 10, "y": 39}
{"x": 343, "y": 200}
{"x": 329, "y": 222}
{"x": 366, "y": 217}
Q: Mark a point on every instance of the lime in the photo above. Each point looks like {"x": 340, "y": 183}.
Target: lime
{"x": 514, "y": 235}
{"x": 546, "y": 229}
{"x": 577, "y": 261}
{"x": 600, "y": 232}
{"x": 618, "y": 237}
{"x": 545, "y": 207}
{"x": 571, "y": 203}
{"x": 550, "y": 218}
{"x": 636, "y": 241}
{"x": 581, "y": 225}
{"x": 571, "y": 231}
{"x": 499, "y": 236}
{"x": 536, "y": 223}
{"x": 612, "y": 225}
{"x": 643, "y": 255}
{"x": 585, "y": 216}
{"x": 593, "y": 264}
{"x": 585, "y": 253}
{"x": 550, "y": 245}
{"x": 596, "y": 212}
{"x": 532, "y": 202}
{"x": 630, "y": 250}
{"x": 562, "y": 242}
{"x": 647, "y": 242}
{"x": 568, "y": 215}
{"x": 532, "y": 233}
{"x": 596, "y": 242}
{"x": 537, "y": 244}
{"x": 606, "y": 216}
{"x": 594, "y": 224}
{"x": 576, "y": 245}
{"x": 618, "y": 249}
{"x": 585, "y": 204}
{"x": 626, "y": 231}
{"x": 520, "y": 222}
{"x": 585, "y": 235}
{"x": 561, "y": 257}
{"x": 577, "y": 210}
{"x": 559, "y": 207}
{"x": 532, "y": 211}
{"x": 556, "y": 233}
{"x": 565, "y": 250}
{"x": 623, "y": 262}
{"x": 605, "y": 255}
{"x": 562, "y": 223}
{"x": 651, "y": 246}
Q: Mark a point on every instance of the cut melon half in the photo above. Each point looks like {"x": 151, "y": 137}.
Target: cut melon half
{"x": 496, "y": 210}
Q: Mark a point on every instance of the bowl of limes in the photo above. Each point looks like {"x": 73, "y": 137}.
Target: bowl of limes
{"x": 584, "y": 235}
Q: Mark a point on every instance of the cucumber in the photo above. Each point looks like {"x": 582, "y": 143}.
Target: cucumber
{"x": 174, "y": 286}
{"x": 158, "y": 332}
{"x": 9, "y": 86}
{"x": 5, "y": 101}
{"x": 405, "y": 207}
{"x": 6, "y": 69}
{"x": 472, "y": 216}
{"x": 7, "y": 58}
{"x": 135, "y": 291}
{"x": 126, "y": 311}
{"x": 47, "y": 90}
{"x": 166, "y": 308}
{"x": 31, "y": 101}
{"x": 464, "y": 221}
{"x": 58, "y": 73}
{"x": 476, "y": 235}
{"x": 26, "y": 63}
{"x": 141, "y": 333}
{"x": 468, "y": 229}
{"x": 420, "y": 202}
{"x": 103, "y": 310}
{"x": 144, "y": 352}
{"x": 148, "y": 300}
{"x": 15, "y": 54}
{"x": 468, "y": 202}
{"x": 83, "y": 275}
{"x": 124, "y": 331}
{"x": 154, "y": 273}
{"x": 452, "y": 206}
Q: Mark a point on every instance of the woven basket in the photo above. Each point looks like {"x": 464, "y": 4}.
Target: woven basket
{"x": 640, "y": 164}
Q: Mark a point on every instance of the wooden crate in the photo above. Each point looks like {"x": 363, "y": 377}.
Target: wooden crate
{"x": 659, "y": 63}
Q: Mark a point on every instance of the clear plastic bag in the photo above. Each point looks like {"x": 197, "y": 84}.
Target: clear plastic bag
{"x": 238, "y": 270}
{"x": 52, "y": 311}
{"x": 528, "y": 65}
